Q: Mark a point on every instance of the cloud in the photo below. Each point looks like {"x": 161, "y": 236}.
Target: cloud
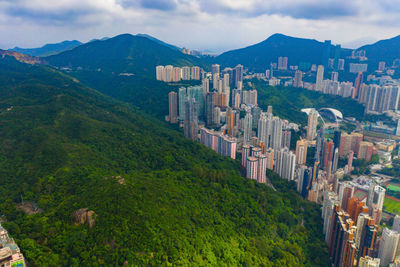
{"x": 164, "y": 5}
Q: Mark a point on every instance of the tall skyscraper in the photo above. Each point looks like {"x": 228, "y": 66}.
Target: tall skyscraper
{"x": 319, "y": 82}
{"x": 327, "y": 154}
{"x": 282, "y": 63}
{"x": 285, "y": 163}
{"x": 252, "y": 168}
{"x": 238, "y": 73}
{"x": 182, "y": 97}
{"x": 195, "y": 73}
{"x": 388, "y": 246}
{"x": 173, "y": 107}
{"x": 301, "y": 151}
{"x": 357, "y": 83}
{"x": 245, "y": 154}
{"x": 191, "y": 119}
{"x": 215, "y": 69}
{"x": 210, "y": 99}
{"x": 312, "y": 125}
{"x": 160, "y": 73}
{"x": 229, "y": 121}
{"x": 298, "y": 79}
{"x": 206, "y": 85}
{"x": 334, "y": 76}
{"x": 248, "y": 128}
{"x": 262, "y": 167}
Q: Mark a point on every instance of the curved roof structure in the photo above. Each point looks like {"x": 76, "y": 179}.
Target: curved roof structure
{"x": 334, "y": 112}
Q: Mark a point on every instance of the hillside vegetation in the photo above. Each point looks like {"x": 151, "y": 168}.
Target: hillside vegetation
{"x": 157, "y": 198}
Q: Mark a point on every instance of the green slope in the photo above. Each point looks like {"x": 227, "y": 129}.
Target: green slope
{"x": 123, "y": 53}
{"x": 62, "y": 146}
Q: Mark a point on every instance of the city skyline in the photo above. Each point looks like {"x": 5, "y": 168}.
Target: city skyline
{"x": 240, "y": 23}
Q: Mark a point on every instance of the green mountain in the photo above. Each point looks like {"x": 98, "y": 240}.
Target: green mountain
{"x": 258, "y": 57}
{"x": 48, "y": 49}
{"x": 383, "y": 50}
{"x": 158, "y": 41}
{"x": 152, "y": 197}
{"x": 123, "y": 53}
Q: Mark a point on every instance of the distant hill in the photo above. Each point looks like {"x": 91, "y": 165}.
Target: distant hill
{"x": 259, "y": 56}
{"x": 48, "y": 49}
{"x": 154, "y": 197}
{"x": 20, "y": 57}
{"x": 158, "y": 41}
{"x": 123, "y": 53}
{"x": 383, "y": 50}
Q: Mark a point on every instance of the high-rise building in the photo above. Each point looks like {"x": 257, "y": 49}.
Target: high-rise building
{"x": 285, "y": 163}
{"x": 365, "y": 151}
{"x": 382, "y": 65}
{"x": 396, "y": 223}
{"x": 209, "y": 109}
{"x": 398, "y": 128}
{"x": 357, "y": 84}
{"x": 341, "y": 64}
{"x": 304, "y": 182}
{"x": 262, "y": 167}
{"x": 319, "y": 82}
{"x": 217, "y": 116}
{"x": 248, "y": 128}
{"x": 186, "y": 73}
{"x": 375, "y": 199}
{"x": 229, "y": 121}
{"x": 334, "y": 76}
{"x": 246, "y": 150}
{"x": 196, "y": 92}
{"x": 388, "y": 246}
{"x": 252, "y": 168}
{"x": 191, "y": 119}
{"x": 206, "y": 85}
{"x": 335, "y": 160}
{"x": 349, "y": 142}
{"x": 282, "y": 63}
{"x": 269, "y": 153}
{"x": 182, "y": 97}
{"x": 312, "y": 125}
{"x": 220, "y": 143}
{"x": 298, "y": 79}
{"x": 173, "y": 107}
{"x": 286, "y": 138}
{"x": 215, "y": 69}
{"x": 327, "y": 155}
{"x": 160, "y": 73}
{"x": 301, "y": 151}
{"x": 366, "y": 234}
{"x": 238, "y": 74}
{"x": 195, "y": 73}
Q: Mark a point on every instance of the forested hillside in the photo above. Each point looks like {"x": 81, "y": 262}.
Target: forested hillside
{"x": 154, "y": 197}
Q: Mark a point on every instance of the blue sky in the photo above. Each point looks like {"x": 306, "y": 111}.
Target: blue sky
{"x": 215, "y": 25}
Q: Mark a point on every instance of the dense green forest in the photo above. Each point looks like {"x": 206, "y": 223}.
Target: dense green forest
{"x": 148, "y": 94}
{"x": 287, "y": 102}
{"x": 158, "y": 198}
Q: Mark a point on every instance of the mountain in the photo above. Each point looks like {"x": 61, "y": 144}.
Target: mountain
{"x": 158, "y": 41}
{"x": 20, "y": 57}
{"x": 48, "y": 49}
{"x": 259, "y": 56}
{"x": 383, "y": 50}
{"x": 123, "y": 53}
{"x": 115, "y": 187}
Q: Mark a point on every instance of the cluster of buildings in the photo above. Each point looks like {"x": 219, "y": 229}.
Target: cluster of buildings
{"x": 230, "y": 122}
{"x": 10, "y": 254}
{"x": 170, "y": 73}
{"x": 351, "y": 228}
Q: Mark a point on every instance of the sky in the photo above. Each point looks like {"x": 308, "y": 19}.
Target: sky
{"x": 206, "y": 25}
